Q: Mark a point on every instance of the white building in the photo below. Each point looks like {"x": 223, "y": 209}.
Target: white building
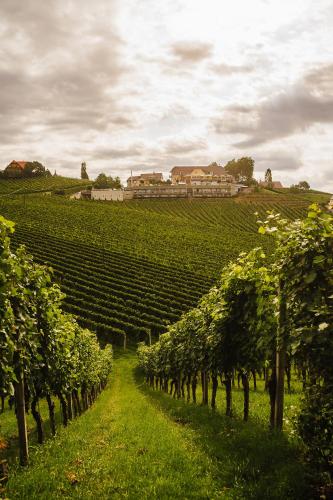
{"x": 111, "y": 194}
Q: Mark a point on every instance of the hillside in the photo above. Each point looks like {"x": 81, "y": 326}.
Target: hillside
{"x": 133, "y": 267}
{"x": 39, "y": 184}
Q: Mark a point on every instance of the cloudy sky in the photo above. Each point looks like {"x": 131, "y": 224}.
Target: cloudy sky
{"x": 146, "y": 85}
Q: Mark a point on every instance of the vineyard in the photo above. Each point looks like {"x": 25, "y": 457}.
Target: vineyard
{"x": 39, "y": 184}
{"x": 139, "y": 269}
{"x": 262, "y": 319}
{"x": 43, "y": 352}
{"x": 130, "y": 269}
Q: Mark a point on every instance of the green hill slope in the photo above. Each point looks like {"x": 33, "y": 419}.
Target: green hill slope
{"x": 39, "y": 184}
{"x": 129, "y": 268}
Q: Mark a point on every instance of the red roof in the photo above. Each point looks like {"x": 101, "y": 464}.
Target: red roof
{"x": 20, "y": 164}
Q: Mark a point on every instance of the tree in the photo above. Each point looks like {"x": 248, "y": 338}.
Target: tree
{"x": 304, "y": 185}
{"x": 241, "y": 169}
{"x": 34, "y": 169}
{"x": 268, "y": 176}
{"x": 101, "y": 182}
{"x": 301, "y": 186}
{"x": 107, "y": 182}
{"x": 114, "y": 182}
{"x": 84, "y": 174}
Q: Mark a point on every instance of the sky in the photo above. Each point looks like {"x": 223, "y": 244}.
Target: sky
{"x": 146, "y": 85}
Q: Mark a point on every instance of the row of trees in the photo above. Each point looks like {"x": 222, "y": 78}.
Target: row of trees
{"x": 260, "y": 316}
{"x": 43, "y": 352}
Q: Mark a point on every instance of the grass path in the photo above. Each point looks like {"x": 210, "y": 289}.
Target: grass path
{"x": 136, "y": 443}
{"x": 123, "y": 447}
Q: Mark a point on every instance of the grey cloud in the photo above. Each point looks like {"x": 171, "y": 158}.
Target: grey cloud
{"x": 183, "y": 146}
{"x": 307, "y": 102}
{"x": 59, "y": 68}
{"x": 278, "y": 161}
{"x": 134, "y": 150}
{"x": 191, "y": 52}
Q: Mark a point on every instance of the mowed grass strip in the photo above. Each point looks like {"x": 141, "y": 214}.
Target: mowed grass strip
{"x": 124, "y": 447}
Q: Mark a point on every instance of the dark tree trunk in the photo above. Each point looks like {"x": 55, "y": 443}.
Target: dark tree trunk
{"x": 38, "y": 420}
{"x": 254, "y": 375}
{"x": 214, "y": 391}
{"x": 50, "y": 405}
{"x": 246, "y": 388}
{"x": 179, "y": 394}
{"x": 69, "y": 406}
{"x": 63, "y": 409}
{"x": 194, "y": 388}
{"x": 204, "y": 384}
{"x": 272, "y": 394}
{"x": 188, "y": 388}
{"x": 75, "y": 408}
{"x": 228, "y": 411}
{"x": 280, "y": 359}
{"x": 266, "y": 378}
{"x": 2, "y": 403}
{"x": 288, "y": 373}
{"x": 11, "y": 402}
{"x": 21, "y": 418}
{"x": 304, "y": 377}
{"x": 84, "y": 398}
{"x": 183, "y": 384}
{"x": 77, "y": 399}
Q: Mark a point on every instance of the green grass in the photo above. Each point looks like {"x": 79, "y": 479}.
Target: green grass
{"x": 138, "y": 443}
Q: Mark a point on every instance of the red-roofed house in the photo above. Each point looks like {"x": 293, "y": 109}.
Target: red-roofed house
{"x": 15, "y": 168}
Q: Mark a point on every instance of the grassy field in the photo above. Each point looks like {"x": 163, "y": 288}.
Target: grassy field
{"x": 137, "y": 443}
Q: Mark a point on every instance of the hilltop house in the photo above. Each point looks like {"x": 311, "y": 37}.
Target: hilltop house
{"x": 149, "y": 179}
{"x": 15, "y": 169}
{"x": 211, "y": 174}
{"x": 271, "y": 185}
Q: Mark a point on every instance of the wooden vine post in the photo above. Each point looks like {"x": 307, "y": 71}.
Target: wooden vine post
{"x": 21, "y": 418}
{"x": 280, "y": 358}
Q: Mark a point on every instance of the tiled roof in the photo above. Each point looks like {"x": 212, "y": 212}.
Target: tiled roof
{"x": 186, "y": 170}
{"x": 20, "y": 164}
{"x": 151, "y": 176}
